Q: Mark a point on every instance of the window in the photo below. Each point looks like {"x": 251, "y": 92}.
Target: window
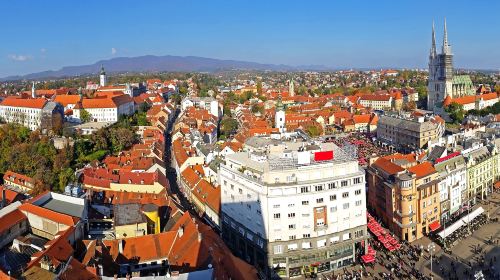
{"x": 318, "y": 188}
{"x": 291, "y": 205}
{"x": 345, "y": 206}
{"x": 291, "y": 215}
{"x": 357, "y": 192}
{"x": 240, "y": 191}
{"x": 304, "y": 189}
{"x": 358, "y": 233}
{"x": 292, "y": 226}
{"x": 358, "y": 202}
{"x": 292, "y": 247}
{"x": 275, "y": 206}
{"x": 225, "y": 183}
{"x": 345, "y": 194}
{"x": 305, "y": 215}
{"x": 277, "y": 249}
{"x": 357, "y": 180}
{"x": 277, "y": 215}
{"x": 305, "y": 202}
{"x": 292, "y": 237}
{"x": 331, "y": 185}
{"x": 319, "y": 200}
{"x": 333, "y": 209}
{"x": 232, "y": 187}
{"x": 344, "y": 183}
{"x": 333, "y": 197}
{"x": 306, "y": 235}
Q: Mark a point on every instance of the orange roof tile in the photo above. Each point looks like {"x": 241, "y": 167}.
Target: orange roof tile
{"x": 36, "y": 103}
{"x": 388, "y": 166}
{"x": 422, "y": 169}
{"x": 11, "y": 219}
{"x": 48, "y": 214}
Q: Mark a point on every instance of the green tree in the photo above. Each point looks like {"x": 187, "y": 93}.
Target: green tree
{"x": 313, "y": 131}
{"x": 456, "y": 112}
{"x": 85, "y": 116}
{"x": 228, "y": 126}
{"x": 259, "y": 87}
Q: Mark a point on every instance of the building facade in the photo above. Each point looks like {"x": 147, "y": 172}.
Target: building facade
{"x": 289, "y": 206}
{"x": 409, "y": 132}
{"x": 405, "y": 195}
{"x": 453, "y": 184}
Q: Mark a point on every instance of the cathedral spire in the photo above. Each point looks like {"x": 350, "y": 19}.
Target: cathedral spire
{"x": 446, "y": 46}
{"x": 433, "y": 48}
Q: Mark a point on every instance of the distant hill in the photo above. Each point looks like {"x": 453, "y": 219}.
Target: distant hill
{"x": 162, "y": 63}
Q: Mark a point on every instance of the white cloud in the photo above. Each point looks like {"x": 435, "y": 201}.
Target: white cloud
{"x": 20, "y": 57}
{"x": 113, "y": 51}
{"x": 43, "y": 50}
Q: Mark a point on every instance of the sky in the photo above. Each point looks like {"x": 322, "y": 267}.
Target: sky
{"x": 47, "y": 35}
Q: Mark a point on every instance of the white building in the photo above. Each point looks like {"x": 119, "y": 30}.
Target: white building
{"x": 207, "y": 103}
{"x": 453, "y": 184}
{"x": 290, "y": 204}
{"x": 26, "y": 112}
{"x": 106, "y": 109}
{"x": 102, "y": 77}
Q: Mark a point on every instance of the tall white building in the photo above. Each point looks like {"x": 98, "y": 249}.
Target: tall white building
{"x": 102, "y": 77}
{"x": 290, "y": 205}
{"x": 279, "y": 117}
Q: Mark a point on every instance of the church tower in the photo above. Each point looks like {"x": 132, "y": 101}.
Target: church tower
{"x": 33, "y": 91}
{"x": 279, "y": 117}
{"x": 440, "y": 72}
{"x": 291, "y": 89}
{"x": 102, "y": 77}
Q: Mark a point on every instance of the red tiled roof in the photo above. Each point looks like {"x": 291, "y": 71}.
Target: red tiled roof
{"x": 388, "y": 166}
{"x": 48, "y": 214}
{"x": 36, "y": 103}
{"x": 10, "y": 219}
{"x": 422, "y": 169}
{"x": 65, "y": 100}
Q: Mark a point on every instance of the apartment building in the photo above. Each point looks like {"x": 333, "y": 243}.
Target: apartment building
{"x": 405, "y": 195}
{"x": 291, "y": 205}
{"x": 32, "y": 113}
{"x": 453, "y": 184}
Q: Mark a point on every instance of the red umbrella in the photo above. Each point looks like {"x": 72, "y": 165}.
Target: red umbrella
{"x": 368, "y": 258}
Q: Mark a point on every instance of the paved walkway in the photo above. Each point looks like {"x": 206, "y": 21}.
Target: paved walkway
{"x": 472, "y": 254}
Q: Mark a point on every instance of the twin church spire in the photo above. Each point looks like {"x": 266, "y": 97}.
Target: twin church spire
{"x": 446, "y": 48}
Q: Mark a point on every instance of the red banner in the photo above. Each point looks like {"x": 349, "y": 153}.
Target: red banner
{"x": 326, "y": 155}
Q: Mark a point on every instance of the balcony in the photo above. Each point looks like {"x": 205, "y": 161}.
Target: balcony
{"x": 400, "y": 214}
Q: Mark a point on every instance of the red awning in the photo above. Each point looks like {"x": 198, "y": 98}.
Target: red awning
{"x": 434, "y": 225}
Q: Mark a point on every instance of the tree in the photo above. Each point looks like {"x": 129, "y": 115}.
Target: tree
{"x": 456, "y": 112}
{"x": 259, "y": 87}
{"x": 497, "y": 88}
{"x": 228, "y": 126}
{"x": 256, "y": 108}
{"x": 85, "y": 116}
{"x": 313, "y": 130}
{"x": 410, "y": 106}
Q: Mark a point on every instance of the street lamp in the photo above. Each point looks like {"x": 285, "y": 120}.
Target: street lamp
{"x": 431, "y": 248}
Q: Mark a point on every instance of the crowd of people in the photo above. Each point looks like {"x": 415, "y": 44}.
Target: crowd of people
{"x": 366, "y": 146}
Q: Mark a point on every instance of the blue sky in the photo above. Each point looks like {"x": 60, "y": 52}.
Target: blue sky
{"x": 47, "y": 35}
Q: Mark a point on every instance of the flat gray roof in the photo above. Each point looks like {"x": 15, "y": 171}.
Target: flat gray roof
{"x": 64, "y": 207}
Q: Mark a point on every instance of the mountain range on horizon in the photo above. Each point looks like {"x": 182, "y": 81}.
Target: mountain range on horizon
{"x": 152, "y": 63}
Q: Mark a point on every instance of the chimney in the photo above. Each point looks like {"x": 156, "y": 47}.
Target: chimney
{"x": 180, "y": 231}
{"x": 120, "y": 245}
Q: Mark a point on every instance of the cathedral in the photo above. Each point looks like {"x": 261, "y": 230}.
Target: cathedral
{"x": 442, "y": 81}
